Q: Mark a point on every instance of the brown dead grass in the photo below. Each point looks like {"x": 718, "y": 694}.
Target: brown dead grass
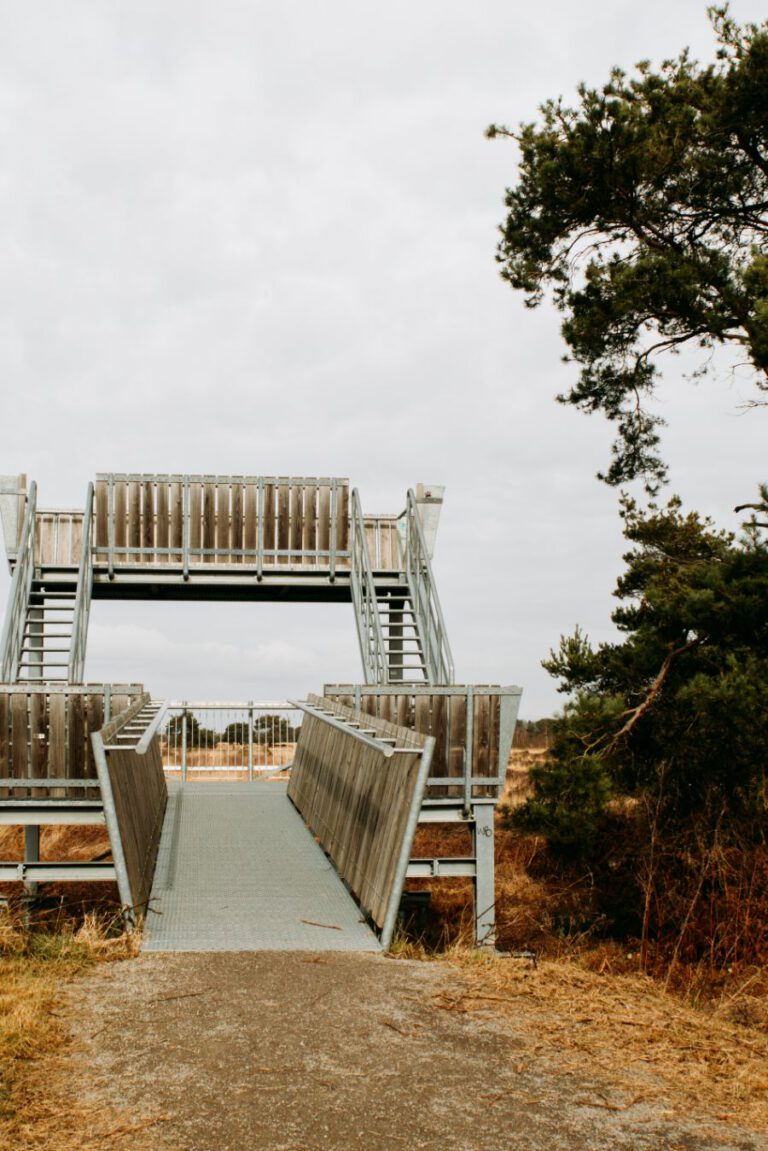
{"x": 33, "y": 967}
{"x": 625, "y": 1030}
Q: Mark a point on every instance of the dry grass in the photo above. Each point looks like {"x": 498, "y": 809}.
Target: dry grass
{"x": 623, "y": 1030}
{"x": 33, "y": 967}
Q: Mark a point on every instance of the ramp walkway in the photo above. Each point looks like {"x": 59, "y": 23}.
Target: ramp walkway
{"x": 238, "y": 870}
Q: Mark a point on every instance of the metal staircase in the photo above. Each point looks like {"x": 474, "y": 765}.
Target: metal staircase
{"x": 211, "y": 538}
{"x": 46, "y": 623}
{"x": 400, "y": 623}
{"x": 48, "y": 629}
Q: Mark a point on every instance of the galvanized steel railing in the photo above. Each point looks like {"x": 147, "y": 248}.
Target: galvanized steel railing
{"x": 426, "y": 605}
{"x": 21, "y": 585}
{"x": 83, "y": 597}
{"x": 253, "y": 738}
{"x": 369, "y": 633}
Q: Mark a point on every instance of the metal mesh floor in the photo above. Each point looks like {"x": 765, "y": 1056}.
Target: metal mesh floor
{"x": 239, "y": 871}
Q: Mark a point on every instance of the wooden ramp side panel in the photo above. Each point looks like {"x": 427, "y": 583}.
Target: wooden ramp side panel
{"x": 139, "y": 795}
{"x": 357, "y": 802}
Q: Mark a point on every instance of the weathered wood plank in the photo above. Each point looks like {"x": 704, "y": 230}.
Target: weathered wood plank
{"x": 237, "y": 524}
{"x": 121, "y": 515}
{"x": 161, "y": 520}
{"x": 5, "y": 744}
{"x": 177, "y": 522}
{"x": 76, "y": 741}
{"x": 250, "y": 520}
{"x": 296, "y": 522}
{"x": 269, "y": 521}
{"x": 342, "y": 520}
{"x": 209, "y": 521}
{"x": 283, "y": 521}
{"x": 57, "y": 740}
{"x": 19, "y": 742}
{"x": 101, "y": 514}
{"x": 323, "y": 521}
{"x": 148, "y": 522}
{"x": 38, "y": 739}
{"x": 134, "y": 519}
{"x": 222, "y": 521}
{"x": 195, "y": 520}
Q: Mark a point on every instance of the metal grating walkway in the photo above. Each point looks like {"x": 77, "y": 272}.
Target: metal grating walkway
{"x": 239, "y": 871}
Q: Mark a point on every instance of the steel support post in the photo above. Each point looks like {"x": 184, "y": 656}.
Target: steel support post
{"x": 184, "y": 745}
{"x": 485, "y": 894}
{"x": 31, "y": 852}
{"x": 250, "y": 742}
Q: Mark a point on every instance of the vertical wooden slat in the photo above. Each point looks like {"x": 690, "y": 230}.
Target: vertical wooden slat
{"x": 148, "y": 522}
{"x": 95, "y": 722}
{"x": 323, "y": 521}
{"x": 283, "y": 521}
{"x": 177, "y": 521}
{"x": 121, "y": 492}
{"x": 250, "y": 518}
{"x": 76, "y": 742}
{"x": 195, "y": 515}
{"x": 439, "y": 764}
{"x": 342, "y": 520}
{"x": 236, "y": 525}
{"x": 296, "y": 522}
{"x": 223, "y": 521}
{"x": 161, "y": 523}
{"x": 101, "y": 526}
{"x": 481, "y": 754}
{"x": 38, "y": 739}
{"x": 134, "y": 519}
{"x": 457, "y": 735}
{"x": 269, "y": 521}
{"x": 19, "y": 741}
{"x": 5, "y": 764}
{"x": 309, "y": 541}
{"x": 57, "y": 740}
{"x": 209, "y": 520}
{"x": 76, "y": 541}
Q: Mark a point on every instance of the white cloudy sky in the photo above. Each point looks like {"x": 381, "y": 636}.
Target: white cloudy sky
{"x": 259, "y": 237}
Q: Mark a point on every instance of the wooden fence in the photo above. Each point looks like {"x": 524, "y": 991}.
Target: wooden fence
{"x": 45, "y": 736}
{"x": 473, "y": 727}
{"x": 58, "y": 538}
{"x": 362, "y": 803}
{"x": 220, "y": 519}
{"x": 134, "y": 794}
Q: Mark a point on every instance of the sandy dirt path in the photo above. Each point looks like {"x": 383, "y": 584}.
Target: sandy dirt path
{"x": 297, "y": 1052}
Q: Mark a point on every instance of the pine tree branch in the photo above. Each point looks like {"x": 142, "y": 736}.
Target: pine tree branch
{"x": 635, "y": 714}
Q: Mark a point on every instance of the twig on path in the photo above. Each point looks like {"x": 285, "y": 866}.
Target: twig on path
{"x": 329, "y": 926}
{"x": 183, "y": 995}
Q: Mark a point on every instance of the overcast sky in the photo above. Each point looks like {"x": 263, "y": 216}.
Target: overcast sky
{"x": 259, "y": 238}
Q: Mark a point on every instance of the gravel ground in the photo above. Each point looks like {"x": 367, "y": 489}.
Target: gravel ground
{"x": 292, "y": 1051}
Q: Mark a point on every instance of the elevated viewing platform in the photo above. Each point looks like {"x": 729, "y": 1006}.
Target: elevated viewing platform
{"x": 206, "y": 537}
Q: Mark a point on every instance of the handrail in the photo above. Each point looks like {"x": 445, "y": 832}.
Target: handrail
{"x": 76, "y": 667}
{"x": 426, "y": 605}
{"x": 21, "y": 585}
{"x": 367, "y": 617}
{"x": 386, "y": 749}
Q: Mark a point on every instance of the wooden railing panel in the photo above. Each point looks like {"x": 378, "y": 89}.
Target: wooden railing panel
{"x": 357, "y": 802}
{"x": 139, "y": 795}
{"x": 143, "y": 519}
{"x": 444, "y": 715}
{"x": 45, "y": 735}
